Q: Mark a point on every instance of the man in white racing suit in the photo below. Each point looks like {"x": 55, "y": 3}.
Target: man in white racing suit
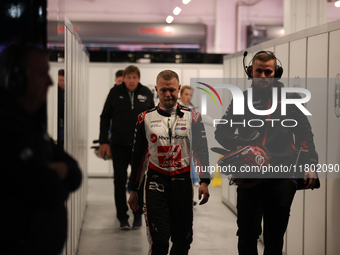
{"x": 169, "y": 135}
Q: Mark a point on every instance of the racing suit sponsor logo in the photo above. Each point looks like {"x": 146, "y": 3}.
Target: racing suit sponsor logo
{"x": 181, "y": 124}
{"x": 153, "y": 138}
{"x": 180, "y": 128}
{"x": 155, "y": 125}
{"x": 156, "y": 186}
{"x": 169, "y": 156}
{"x": 156, "y": 121}
{"x": 173, "y": 137}
{"x": 141, "y": 117}
{"x": 195, "y": 115}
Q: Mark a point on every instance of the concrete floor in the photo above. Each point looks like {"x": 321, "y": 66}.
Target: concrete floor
{"x": 214, "y": 226}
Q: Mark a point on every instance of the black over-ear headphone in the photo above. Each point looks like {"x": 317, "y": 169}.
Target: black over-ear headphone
{"x": 247, "y": 69}
{"x": 13, "y": 74}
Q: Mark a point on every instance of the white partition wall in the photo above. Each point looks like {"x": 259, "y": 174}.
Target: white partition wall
{"x": 297, "y": 70}
{"x": 311, "y": 60}
{"x": 76, "y": 112}
{"x": 101, "y": 80}
{"x": 315, "y": 202}
{"x": 333, "y": 145}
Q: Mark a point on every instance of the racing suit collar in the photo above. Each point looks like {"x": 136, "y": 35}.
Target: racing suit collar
{"x": 167, "y": 114}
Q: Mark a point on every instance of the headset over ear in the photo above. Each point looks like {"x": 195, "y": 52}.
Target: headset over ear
{"x": 13, "y": 74}
{"x": 247, "y": 69}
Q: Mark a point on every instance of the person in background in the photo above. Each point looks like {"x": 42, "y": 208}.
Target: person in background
{"x": 167, "y": 133}
{"x": 121, "y": 108}
{"x": 36, "y": 175}
{"x": 119, "y": 77}
{"x": 270, "y": 199}
{"x": 61, "y": 107}
{"x": 185, "y": 96}
{"x": 185, "y": 100}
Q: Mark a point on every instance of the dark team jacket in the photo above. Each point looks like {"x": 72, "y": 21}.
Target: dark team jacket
{"x": 281, "y": 142}
{"x": 168, "y": 150}
{"x": 33, "y": 217}
{"x": 118, "y": 112}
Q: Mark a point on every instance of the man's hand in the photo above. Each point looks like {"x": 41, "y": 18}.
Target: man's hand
{"x": 133, "y": 201}
{"x": 104, "y": 149}
{"x": 60, "y": 167}
{"x": 203, "y": 190}
{"x": 311, "y": 175}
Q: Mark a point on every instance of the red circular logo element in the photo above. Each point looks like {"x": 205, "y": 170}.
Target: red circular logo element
{"x": 153, "y": 138}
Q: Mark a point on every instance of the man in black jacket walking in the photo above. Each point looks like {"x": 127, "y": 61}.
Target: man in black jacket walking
{"x": 121, "y": 108}
{"x": 36, "y": 175}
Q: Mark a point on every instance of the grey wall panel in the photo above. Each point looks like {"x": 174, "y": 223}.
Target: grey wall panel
{"x": 282, "y": 53}
{"x": 297, "y": 61}
{"x": 315, "y": 201}
{"x": 333, "y": 149}
{"x": 297, "y": 67}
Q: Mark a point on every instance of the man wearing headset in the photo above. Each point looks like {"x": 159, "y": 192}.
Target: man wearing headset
{"x": 36, "y": 175}
{"x": 271, "y": 198}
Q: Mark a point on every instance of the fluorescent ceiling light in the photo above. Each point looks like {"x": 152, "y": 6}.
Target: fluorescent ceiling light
{"x": 177, "y": 11}
{"x": 186, "y": 1}
{"x": 169, "y": 19}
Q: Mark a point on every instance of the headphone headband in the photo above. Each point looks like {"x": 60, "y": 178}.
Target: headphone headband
{"x": 248, "y": 69}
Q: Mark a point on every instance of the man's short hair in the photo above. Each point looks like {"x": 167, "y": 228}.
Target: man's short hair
{"x": 131, "y": 69}
{"x": 184, "y": 88}
{"x": 167, "y": 75}
{"x": 61, "y": 72}
{"x": 265, "y": 57}
{"x": 119, "y": 73}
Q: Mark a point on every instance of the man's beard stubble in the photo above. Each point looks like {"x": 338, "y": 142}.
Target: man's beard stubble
{"x": 169, "y": 102}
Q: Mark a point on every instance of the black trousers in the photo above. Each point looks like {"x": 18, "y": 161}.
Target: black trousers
{"x": 169, "y": 212}
{"x": 271, "y": 200}
{"x": 121, "y": 158}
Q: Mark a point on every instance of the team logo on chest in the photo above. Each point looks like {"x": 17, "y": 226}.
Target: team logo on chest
{"x": 169, "y": 156}
{"x": 153, "y": 138}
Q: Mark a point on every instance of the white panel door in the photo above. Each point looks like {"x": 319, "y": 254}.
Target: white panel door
{"x": 333, "y": 146}
{"x": 282, "y": 53}
{"x": 297, "y": 61}
{"x": 100, "y": 83}
{"x": 297, "y": 67}
{"x": 315, "y": 203}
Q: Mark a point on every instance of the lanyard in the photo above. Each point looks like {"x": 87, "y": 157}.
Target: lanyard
{"x": 131, "y": 94}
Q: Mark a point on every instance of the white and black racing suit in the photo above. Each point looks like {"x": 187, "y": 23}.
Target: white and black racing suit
{"x": 168, "y": 141}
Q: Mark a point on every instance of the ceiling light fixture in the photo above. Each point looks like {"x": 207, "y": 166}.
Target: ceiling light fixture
{"x": 337, "y": 3}
{"x": 177, "y": 11}
{"x": 169, "y": 19}
{"x": 186, "y": 1}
